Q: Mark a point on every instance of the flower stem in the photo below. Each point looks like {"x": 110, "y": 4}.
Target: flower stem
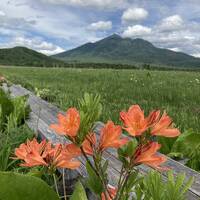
{"x": 102, "y": 178}
{"x": 120, "y": 182}
{"x": 64, "y": 186}
{"x": 124, "y": 182}
{"x": 55, "y": 182}
{"x": 95, "y": 170}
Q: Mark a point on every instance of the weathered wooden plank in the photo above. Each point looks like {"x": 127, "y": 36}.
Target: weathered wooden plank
{"x": 43, "y": 114}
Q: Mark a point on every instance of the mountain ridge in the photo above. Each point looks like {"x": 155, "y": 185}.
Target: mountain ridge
{"x": 23, "y": 56}
{"x": 115, "y": 49}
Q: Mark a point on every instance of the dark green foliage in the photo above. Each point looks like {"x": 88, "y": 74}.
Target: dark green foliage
{"x": 21, "y": 56}
{"x": 6, "y": 108}
{"x": 16, "y": 136}
{"x": 8, "y": 142}
{"x": 16, "y": 186}
{"x": 13, "y": 112}
{"x": 188, "y": 145}
{"x": 12, "y": 133}
{"x": 167, "y": 144}
{"x": 194, "y": 158}
{"x": 5, "y": 161}
{"x": 115, "y": 49}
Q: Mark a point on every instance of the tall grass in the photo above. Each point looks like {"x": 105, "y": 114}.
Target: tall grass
{"x": 176, "y": 92}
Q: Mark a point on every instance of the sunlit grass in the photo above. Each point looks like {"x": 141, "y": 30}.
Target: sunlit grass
{"x": 176, "y": 92}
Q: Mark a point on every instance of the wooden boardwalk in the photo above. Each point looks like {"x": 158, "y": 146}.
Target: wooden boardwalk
{"x": 43, "y": 114}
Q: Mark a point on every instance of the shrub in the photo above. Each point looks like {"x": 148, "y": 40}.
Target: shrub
{"x": 6, "y": 108}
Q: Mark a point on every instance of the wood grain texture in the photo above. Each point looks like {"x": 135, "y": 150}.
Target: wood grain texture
{"x": 43, "y": 114}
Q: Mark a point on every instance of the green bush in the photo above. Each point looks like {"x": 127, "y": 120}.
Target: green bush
{"x": 153, "y": 187}
{"x": 45, "y": 94}
{"x": 6, "y": 108}
{"x": 20, "y": 113}
{"x": 13, "y": 112}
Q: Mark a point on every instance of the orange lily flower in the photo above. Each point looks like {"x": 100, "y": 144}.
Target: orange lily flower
{"x": 134, "y": 120}
{"x": 110, "y": 137}
{"x": 164, "y": 127}
{"x": 61, "y": 157}
{"x": 36, "y": 154}
{"x": 153, "y": 118}
{"x": 68, "y": 124}
{"x": 34, "y": 159}
{"x": 147, "y": 154}
{"x": 89, "y": 143}
{"x": 112, "y": 191}
{"x": 32, "y": 153}
{"x": 72, "y": 149}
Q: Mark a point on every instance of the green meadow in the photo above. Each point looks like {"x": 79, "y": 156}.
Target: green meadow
{"x": 176, "y": 92}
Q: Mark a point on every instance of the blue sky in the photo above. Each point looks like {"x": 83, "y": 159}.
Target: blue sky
{"x": 52, "y": 26}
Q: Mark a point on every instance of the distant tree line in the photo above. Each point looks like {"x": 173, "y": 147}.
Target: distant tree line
{"x": 127, "y": 66}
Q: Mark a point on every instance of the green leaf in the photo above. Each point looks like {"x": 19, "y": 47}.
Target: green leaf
{"x": 170, "y": 176}
{"x": 187, "y": 185}
{"x": 122, "y": 155}
{"x": 131, "y": 146}
{"x": 105, "y": 166}
{"x": 93, "y": 181}
{"x": 132, "y": 181}
{"x": 176, "y": 188}
{"x": 90, "y": 110}
{"x": 186, "y": 142}
{"x": 153, "y": 186}
{"x": 126, "y": 151}
{"x": 166, "y": 144}
{"x": 79, "y": 192}
{"x": 16, "y": 186}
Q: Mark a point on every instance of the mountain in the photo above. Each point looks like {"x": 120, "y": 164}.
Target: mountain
{"x": 22, "y": 56}
{"x": 115, "y": 49}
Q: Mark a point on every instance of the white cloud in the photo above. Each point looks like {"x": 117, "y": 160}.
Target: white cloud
{"x": 105, "y": 4}
{"x": 197, "y": 55}
{"x": 136, "y": 31}
{"x": 134, "y": 14}
{"x": 2, "y": 13}
{"x": 100, "y": 26}
{"x": 35, "y": 43}
{"x": 29, "y": 16}
{"x": 15, "y": 18}
{"x": 171, "y": 23}
{"x": 175, "y": 49}
{"x": 10, "y": 22}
